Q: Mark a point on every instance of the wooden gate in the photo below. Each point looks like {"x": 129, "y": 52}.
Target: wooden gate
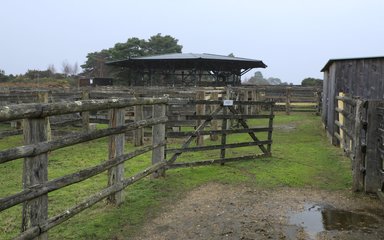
{"x": 224, "y": 113}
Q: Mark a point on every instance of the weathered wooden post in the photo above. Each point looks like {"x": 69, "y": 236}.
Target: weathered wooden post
{"x": 288, "y": 94}
{"x": 214, "y": 123}
{"x": 270, "y": 126}
{"x": 254, "y": 98}
{"x": 85, "y": 115}
{"x": 200, "y": 110}
{"x": 158, "y": 137}
{"x": 340, "y": 105}
{"x": 138, "y": 133}
{"x": 35, "y": 171}
{"x": 116, "y": 148}
{"x": 245, "y": 98}
{"x": 43, "y": 97}
{"x": 358, "y": 158}
{"x": 224, "y": 126}
{"x": 372, "y": 159}
{"x": 318, "y": 102}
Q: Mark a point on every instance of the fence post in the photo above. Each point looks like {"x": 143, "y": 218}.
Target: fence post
{"x": 214, "y": 123}
{"x": 254, "y": 98}
{"x": 340, "y": 104}
{"x": 358, "y": 158}
{"x": 158, "y": 137}
{"x": 85, "y": 115}
{"x": 288, "y": 101}
{"x": 224, "y": 126}
{"x": 318, "y": 102}
{"x": 245, "y": 98}
{"x": 116, "y": 148}
{"x": 35, "y": 171}
{"x": 200, "y": 110}
{"x": 138, "y": 133}
{"x": 372, "y": 159}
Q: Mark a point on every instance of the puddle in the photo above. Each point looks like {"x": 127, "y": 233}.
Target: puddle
{"x": 317, "y": 218}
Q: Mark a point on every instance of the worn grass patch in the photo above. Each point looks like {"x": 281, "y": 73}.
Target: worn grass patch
{"x": 302, "y": 157}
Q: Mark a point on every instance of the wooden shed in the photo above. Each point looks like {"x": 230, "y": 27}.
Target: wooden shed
{"x": 355, "y": 77}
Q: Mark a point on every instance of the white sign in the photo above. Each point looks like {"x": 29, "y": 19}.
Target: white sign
{"x": 227, "y": 102}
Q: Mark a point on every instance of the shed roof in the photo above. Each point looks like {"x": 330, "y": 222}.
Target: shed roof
{"x": 185, "y": 61}
{"x": 331, "y": 61}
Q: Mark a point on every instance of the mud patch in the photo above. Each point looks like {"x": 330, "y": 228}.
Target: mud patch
{"x": 316, "y": 218}
{"x": 217, "y": 211}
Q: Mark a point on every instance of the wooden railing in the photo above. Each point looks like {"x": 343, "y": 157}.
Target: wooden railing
{"x": 359, "y": 130}
{"x": 288, "y": 99}
{"x": 36, "y": 186}
{"x": 37, "y": 145}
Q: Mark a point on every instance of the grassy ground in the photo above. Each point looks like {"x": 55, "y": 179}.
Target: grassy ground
{"x": 302, "y": 158}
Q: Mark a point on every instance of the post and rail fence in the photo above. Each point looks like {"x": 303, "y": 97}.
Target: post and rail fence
{"x": 359, "y": 130}
{"x": 38, "y": 145}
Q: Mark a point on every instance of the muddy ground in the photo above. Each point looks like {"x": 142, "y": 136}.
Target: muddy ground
{"x": 217, "y": 211}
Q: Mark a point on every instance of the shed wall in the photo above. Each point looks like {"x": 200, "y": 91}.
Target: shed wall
{"x": 362, "y": 78}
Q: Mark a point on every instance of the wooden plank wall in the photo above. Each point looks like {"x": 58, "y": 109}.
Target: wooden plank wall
{"x": 362, "y": 78}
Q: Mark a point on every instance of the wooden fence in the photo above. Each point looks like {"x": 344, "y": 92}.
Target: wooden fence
{"x": 359, "y": 130}
{"x": 36, "y": 186}
{"x": 287, "y": 98}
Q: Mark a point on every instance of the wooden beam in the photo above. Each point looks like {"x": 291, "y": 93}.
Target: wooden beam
{"x": 52, "y": 185}
{"x": 116, "y": 149}
{"x": 372, "y": 159}
{"x": 92, "y": 200}
{"x": 35, "y": 171}
{"x": 214, "y": 161}
{"x": 139, "y": 133}
{"x": 215, "y": 147}
{"x": 85, "y": 114}
{"x": 43, "y": 147}
{"x": 158, "y": 136}
{"x": 200, "y": 111}
{"x": 218, "y": 132}
{"x": 37, "y": 110}
{"x": 358, "y": 158}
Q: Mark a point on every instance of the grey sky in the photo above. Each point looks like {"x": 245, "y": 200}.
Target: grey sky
{"x": 294, "y": 38}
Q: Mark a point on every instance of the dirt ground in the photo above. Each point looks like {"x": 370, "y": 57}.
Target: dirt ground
{"x": 217, "y": 211}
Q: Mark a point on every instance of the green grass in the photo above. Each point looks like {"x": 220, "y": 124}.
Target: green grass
{"x": 302, "y": 158}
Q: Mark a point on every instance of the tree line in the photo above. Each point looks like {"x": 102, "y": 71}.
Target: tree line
{"x": 94, "y": 65}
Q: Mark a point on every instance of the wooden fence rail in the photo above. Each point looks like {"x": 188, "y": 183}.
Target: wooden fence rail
{"x": 37, "y": 145}
{"x": 359, "y": 131}
{"x": 287, "y": 98}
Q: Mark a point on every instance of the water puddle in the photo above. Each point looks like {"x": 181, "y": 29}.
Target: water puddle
{"x": 317, "y": 218}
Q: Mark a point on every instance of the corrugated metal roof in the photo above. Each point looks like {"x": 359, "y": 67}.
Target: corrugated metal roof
{"x": 178, "y": 56}
{"x": 330, "y": 61}
{"x": 183, "y": 61}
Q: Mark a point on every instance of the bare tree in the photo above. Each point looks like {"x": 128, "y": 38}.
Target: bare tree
{"x": 75, "y": 69}
{"x": 66, "y": 68}
{"x": 51, "y": 68}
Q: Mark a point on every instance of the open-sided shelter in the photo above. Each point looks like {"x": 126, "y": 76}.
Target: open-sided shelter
{"x": 188, "y": 69}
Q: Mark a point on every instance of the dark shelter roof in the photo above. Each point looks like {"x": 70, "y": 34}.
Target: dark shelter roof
{"x": 191, "y": 61}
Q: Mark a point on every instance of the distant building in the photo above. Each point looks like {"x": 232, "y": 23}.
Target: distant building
{"x": 187, "y": 69}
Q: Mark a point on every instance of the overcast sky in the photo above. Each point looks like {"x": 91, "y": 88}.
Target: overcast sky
{"x": 294, "y": 38}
